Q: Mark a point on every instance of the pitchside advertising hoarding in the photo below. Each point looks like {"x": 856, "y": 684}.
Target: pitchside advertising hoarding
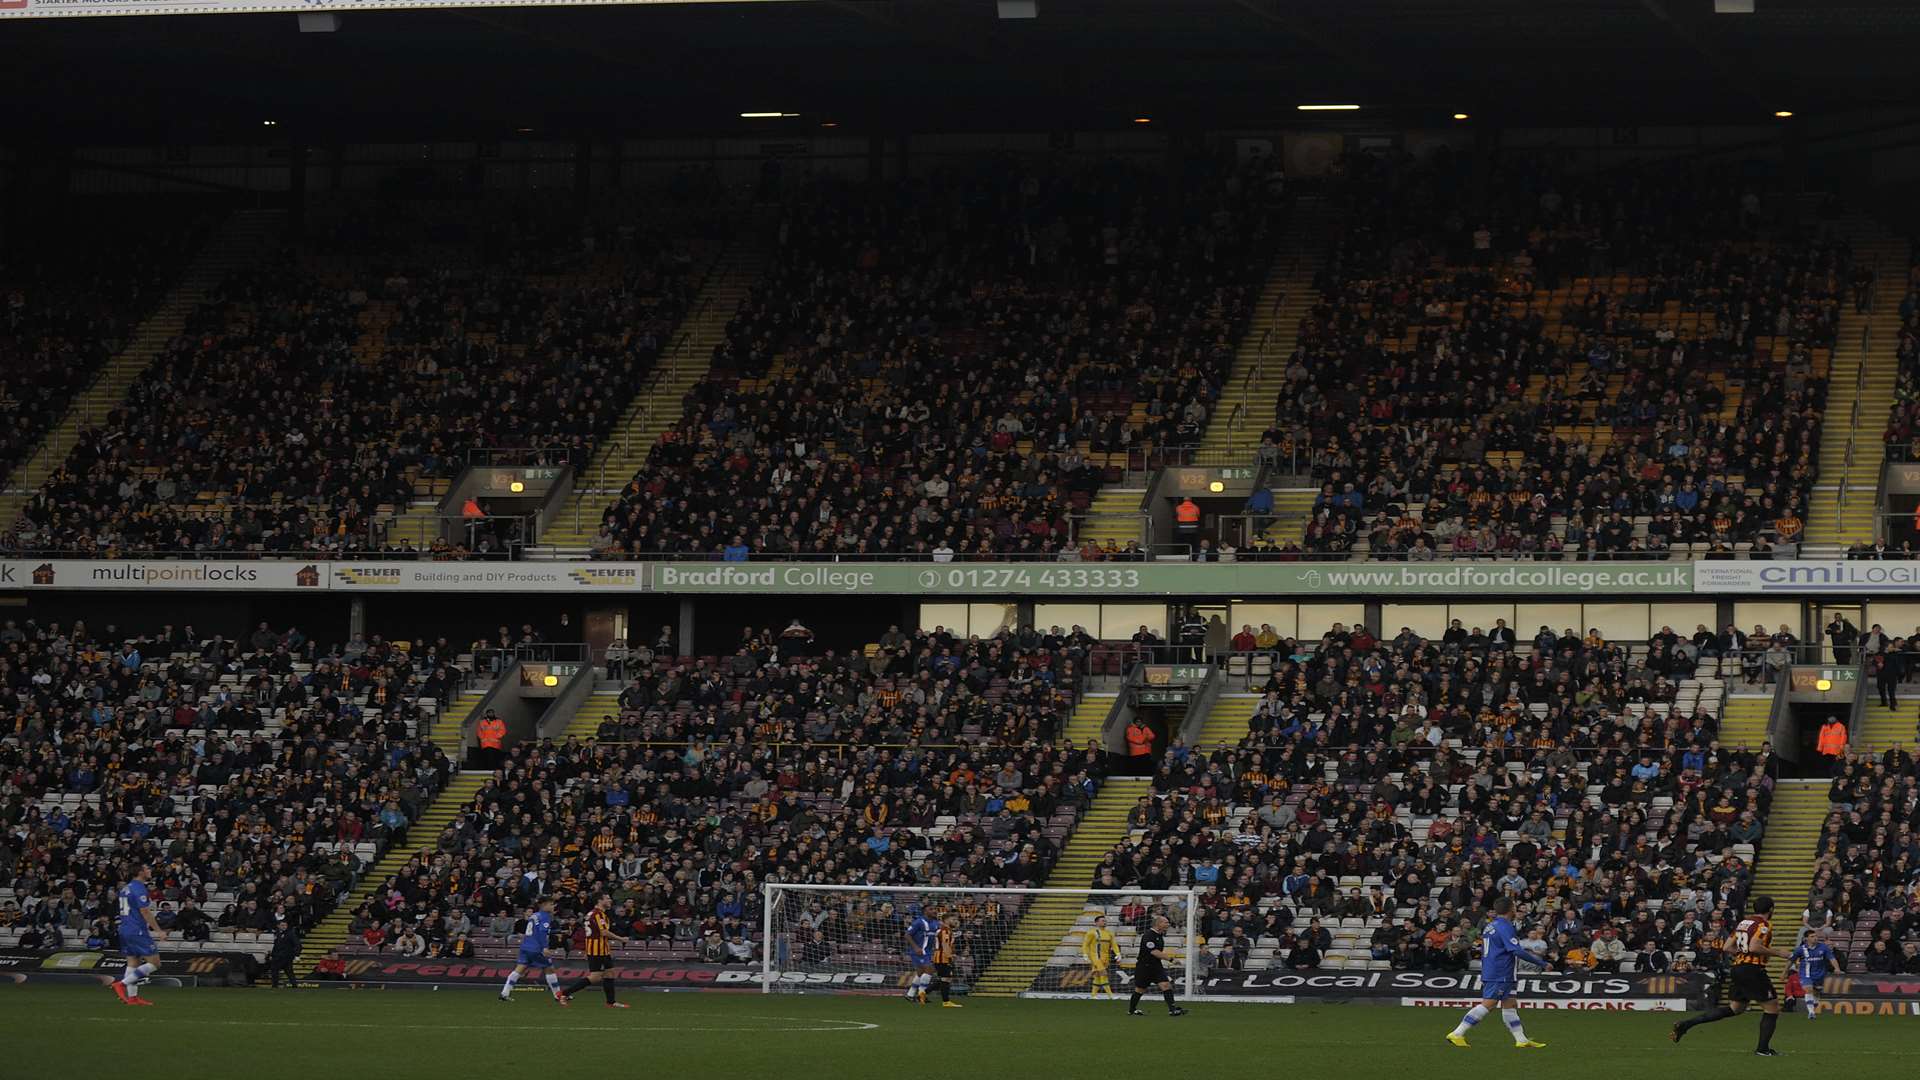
{"x": 93, "y": 965}
{"x": 1407, "y": 988}
{"x": 1640, "y": 993}
{"x": 981, "y": 579}
{"x": 56, "y": 9}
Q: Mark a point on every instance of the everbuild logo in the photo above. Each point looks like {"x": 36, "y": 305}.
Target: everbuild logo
{"x": 619, "y": 578}
{"x": 176, "y": 573}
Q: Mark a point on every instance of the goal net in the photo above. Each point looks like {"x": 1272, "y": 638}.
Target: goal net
{"x": 1029, "y": 942}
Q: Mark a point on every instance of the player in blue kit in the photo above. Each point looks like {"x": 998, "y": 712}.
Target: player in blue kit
{"x": 1812, "y": 961}
{"x": 921, "y": 933}
{"x": 534, "y": 951}
{"x": 138, "y": 929}
{"x": 1500, "y": 946}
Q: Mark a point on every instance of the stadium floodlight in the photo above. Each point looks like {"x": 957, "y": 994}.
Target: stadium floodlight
{"x": 1328, "y": 108}
{"x": 1783, "y": 114}
{"x": 767, "y": 115}
{"x": 1016, "y": 941}
{"x": 1460, "y": 116}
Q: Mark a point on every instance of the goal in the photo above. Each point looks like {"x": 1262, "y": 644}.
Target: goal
{"x": 1006, "y": 942}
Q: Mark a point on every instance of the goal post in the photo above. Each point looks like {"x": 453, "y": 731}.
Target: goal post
{"x": 1005, "y": 941}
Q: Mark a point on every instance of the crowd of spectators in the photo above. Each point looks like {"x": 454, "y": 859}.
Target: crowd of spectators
{"x": 258, "y": 777}
{"x": 1407, "y": 783}
{"x": 931, "y": 687}
{"x": 1614, "y": 365}
{"x": 1902, "y": 434}
{"x": 1866, "y": 885}
{"x": 299, "y": 408}
{"x": 942, "y": 366}
{"x": 931, "y": 762}
{"x": 72, "y": 287}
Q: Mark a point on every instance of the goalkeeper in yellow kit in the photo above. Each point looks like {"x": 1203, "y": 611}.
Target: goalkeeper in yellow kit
{"x": 1100, "y": 949}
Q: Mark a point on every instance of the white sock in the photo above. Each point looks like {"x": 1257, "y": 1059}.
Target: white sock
{"x": 1474, "y": 1016}
{"x": 553, "y": 983}
{"x": 1512, "y": 1017}
{"x": 1813, "y": 1006}
{"x": 131, "y": 978}
{"x": 512, "y": 977}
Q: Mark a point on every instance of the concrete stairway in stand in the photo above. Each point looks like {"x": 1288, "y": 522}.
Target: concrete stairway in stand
{"x": 660, "y": 403}
{"x": 1744, "y": 720}
{"x": 421, "y": 837}
{"x": 1859, "y": 394}
{"x": 419, "y": 523}
{"x": 1246, "y": 405}
{"x": 1226, "y": 721}
{"x": 1050, "y": 917}
{"x": 1882, "y": 729}
{"x": 595, "y": 707}
{"x": 1089, "y": 717}
{"x": 238, "y": 243}
{"x": 1113, "y": 518}
{"x": 447, "y": 731}
{"x": 1784, "y": 869}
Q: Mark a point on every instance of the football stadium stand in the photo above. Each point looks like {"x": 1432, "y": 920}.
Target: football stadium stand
{"x": 259, "y": 778}
{"x": 958, "y": 364}
{"x": 1379, "y": 792}
{"x": 1540, "y": 391}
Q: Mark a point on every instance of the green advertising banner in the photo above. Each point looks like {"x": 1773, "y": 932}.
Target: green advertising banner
{"x": 1174, "y": 579}
{"x": 1042, "y": 580}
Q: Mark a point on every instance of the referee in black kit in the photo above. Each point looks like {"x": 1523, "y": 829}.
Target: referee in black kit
{"x": 1150, "y": 968}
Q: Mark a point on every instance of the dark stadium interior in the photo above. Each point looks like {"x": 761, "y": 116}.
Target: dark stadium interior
{"x": 939, "y": 65}
{"x": 1393, "y": 489}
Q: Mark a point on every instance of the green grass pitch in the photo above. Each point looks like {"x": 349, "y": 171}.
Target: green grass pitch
{"x": 68, "y": 1031}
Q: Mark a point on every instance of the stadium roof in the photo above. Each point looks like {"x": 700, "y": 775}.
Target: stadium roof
{"x": 949, "y": 65}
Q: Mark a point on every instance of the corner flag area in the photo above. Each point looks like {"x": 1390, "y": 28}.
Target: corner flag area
{"x": 459, "y": 1035}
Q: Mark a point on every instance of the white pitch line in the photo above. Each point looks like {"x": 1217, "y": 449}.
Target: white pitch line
{"x": 849, "y": 1025}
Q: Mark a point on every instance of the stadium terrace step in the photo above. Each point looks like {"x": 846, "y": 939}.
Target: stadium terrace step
{"x": 1050, "y": 917}
{"x": 1882, "y": 729}
{"x": 1784, "y": 868}
{"x": 1292, "y": 510}
{"x": 594, "y": 708}
{"x": 1744, "y": 723}
{"x": 658, "y": 406}
{"x": 1226, "y": 722}
{"x": 435, "y": 816}
{"x": 446, "y": 733}
{"x": 240, "y": 241}
{"x": 1089, "y": 717}
{"x": 1860, "y": 391}
{"x": 1114, "y": 518}
{"x": 1245, "y": 408}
